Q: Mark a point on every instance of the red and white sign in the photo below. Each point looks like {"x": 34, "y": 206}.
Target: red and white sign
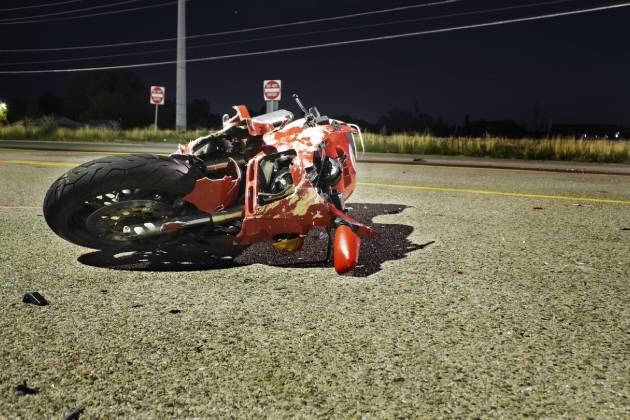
{"x": 158, "y": 94}
{"x": 272, "y": 90}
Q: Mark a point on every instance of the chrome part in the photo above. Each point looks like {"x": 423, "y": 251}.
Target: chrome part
{"x": 217, "y": 218}
{"x": 127, "y": 220}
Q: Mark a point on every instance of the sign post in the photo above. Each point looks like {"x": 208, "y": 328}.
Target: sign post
{"x": 158, "y": 94}
{"x": 272, "y": 93}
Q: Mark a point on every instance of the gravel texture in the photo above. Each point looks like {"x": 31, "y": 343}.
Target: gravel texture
{"x": 464, "y": 306}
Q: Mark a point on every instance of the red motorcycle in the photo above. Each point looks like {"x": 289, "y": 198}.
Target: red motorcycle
{"x": 260, "y": 178}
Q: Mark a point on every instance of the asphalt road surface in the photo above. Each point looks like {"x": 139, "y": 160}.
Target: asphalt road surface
{"x": 487, "y": 293}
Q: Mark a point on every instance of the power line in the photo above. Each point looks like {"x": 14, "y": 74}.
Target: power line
{"x": 331, "y": 44}
{"x": 67, "y": 12}
{"x": 163, "y": 50}
{"x": 40, "y": 5}
{"x": 89, "y": 15}
{"x": 303, "y": 22}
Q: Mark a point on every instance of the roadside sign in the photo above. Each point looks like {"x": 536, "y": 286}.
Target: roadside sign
{"x": 158, "y": 94}
{"x": 272, "y": 90}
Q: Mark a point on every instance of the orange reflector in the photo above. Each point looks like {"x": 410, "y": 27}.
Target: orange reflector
{"x": 289, "y": 245}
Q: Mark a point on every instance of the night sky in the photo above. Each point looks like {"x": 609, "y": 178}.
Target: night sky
{"x": 575, "y": 68}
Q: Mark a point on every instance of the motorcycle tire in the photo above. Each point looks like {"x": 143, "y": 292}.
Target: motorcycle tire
{"x": 66, "y": 200}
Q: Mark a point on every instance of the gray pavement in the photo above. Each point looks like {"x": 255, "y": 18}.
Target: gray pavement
{"x": 487, "y": 293}
{"x": 425, "y": 160}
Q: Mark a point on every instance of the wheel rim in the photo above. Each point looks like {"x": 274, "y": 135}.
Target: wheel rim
{"x": 106, "y": 214}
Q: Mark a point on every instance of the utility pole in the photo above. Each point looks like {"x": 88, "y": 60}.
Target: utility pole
{"x": 180, "y": 99}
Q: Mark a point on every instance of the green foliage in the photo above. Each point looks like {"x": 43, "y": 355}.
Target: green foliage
{"x": 537, "y": 149}
{"x": 4, "y": 111}
{"x": 47, "y": 125}
{"x": 44, "y": 130}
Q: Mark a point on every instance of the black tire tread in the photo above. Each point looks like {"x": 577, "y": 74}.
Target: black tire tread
{"x": 110, "y": 173}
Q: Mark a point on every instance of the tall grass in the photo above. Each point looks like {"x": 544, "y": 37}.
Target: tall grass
{"x": 136, "y": 135}
{"x": 599, "y": 150}
{"x": 543, "y": 149}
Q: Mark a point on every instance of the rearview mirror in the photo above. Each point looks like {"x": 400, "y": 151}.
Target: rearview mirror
{"x": 346, "y": 249}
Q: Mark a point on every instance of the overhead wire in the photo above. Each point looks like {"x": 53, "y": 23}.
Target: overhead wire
{"x": 113, "y": 12}
{"x": 292, "y": 35}
{"x": 37, "y": 6}
{"x": 68, "y": 12}
{"x": 244, "y": 30}
{"x": 331, "y": 44}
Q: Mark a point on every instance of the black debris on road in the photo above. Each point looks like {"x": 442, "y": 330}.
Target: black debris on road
{"x": 34, "y": 298}
{"x": 23, "y": 389}
{"x": 75, "y": 414}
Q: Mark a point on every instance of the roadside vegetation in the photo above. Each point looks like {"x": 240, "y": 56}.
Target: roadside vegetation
{"x": 593, "y": 150}
{"x": 46, "y": 129}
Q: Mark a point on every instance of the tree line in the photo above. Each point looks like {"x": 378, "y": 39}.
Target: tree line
{"x": 121, "y": 96}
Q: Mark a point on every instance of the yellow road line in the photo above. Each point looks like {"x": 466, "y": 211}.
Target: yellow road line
{"x": 567, "y": 171}
{"x": 499, "y": 193}
{"x": 479, "y": 168}
{"x": 89, "y": 152}
{"x": 412, "y": 187}
{"x": 41, "y": 163}
{"x": 427, "y": 165}
{"x": 20, "y": 207}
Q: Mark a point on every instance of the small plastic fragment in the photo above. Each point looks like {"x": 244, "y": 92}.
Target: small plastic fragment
{"x": 23, "y": 389}
{"x": 174, "y": 311}
{"x": 538, "y": 208}
{"x": 34, "y": 298}
{"x": 136, "y": 305}
{"x": 75, "y": 414}
{"x": 626, "y": 229}
{"x": 460, "y": 273}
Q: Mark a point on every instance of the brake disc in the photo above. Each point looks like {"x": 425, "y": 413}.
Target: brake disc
{"x": 109, "y": 222}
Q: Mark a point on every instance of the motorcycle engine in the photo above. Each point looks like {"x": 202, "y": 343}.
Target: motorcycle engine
{"x": 276, "y": 181}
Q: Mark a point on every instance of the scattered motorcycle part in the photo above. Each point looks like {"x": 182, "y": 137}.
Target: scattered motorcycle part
{"x": 75, "y": 414}
{"x": 23, "y": 389}
{"x": 34, "y": 298}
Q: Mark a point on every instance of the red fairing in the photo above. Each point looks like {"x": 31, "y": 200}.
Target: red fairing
{"x": 297, "y": 213}
{"x": 298, "y": 150}
{"x": 212, "y": 194}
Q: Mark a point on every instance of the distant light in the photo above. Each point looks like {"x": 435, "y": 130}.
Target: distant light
{"x": 3, "y": 106}
{"x": 617, "y": 134}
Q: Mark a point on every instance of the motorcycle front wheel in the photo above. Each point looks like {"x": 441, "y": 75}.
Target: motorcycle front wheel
{"x": 94, "y": 204}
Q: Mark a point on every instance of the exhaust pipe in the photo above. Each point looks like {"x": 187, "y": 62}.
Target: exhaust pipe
{"x": 151, "y": 229}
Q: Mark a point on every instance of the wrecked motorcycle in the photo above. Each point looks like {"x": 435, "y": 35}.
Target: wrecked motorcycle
{"x": 268, "y": 177}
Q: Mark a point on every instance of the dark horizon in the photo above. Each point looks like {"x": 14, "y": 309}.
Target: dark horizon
{"x": 571, "y": 70}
